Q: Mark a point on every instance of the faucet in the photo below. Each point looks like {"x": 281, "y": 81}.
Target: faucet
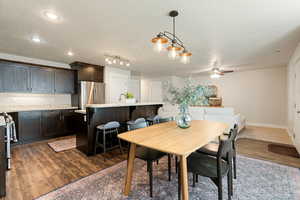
{"x": 120, "y": 97}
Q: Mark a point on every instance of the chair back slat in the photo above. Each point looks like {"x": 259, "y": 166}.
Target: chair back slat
{"x": 225, "y": 146}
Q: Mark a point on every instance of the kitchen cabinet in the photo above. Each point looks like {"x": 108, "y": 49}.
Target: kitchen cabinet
{"x": 89, "y": 72}
{"x": 42, "y": 80}
{"x": 52, "y": 123}
{"x": 64, "y": 81}
{"x": 14, "y": 77}
{"x": 40, "y": 125}
{"x": 29, "y": 126}
{"x": 30, "y": 78}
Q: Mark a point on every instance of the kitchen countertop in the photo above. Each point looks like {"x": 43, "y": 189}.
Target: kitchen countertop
{"x": 120, "y": 105}
{"x": 10, "y": 109}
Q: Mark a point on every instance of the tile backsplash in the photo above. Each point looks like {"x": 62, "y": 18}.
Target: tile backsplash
{"x": 17, "y": 99}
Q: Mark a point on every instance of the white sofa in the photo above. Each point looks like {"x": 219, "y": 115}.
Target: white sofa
{"x": 222, "y": 114}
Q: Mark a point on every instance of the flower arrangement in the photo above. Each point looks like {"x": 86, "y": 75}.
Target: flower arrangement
{"x": 189, "y": 95}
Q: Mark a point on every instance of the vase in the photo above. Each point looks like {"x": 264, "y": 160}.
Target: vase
{"x": 183, "y": 119}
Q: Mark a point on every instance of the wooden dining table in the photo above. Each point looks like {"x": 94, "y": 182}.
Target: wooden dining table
{"x": 169, "y": 138}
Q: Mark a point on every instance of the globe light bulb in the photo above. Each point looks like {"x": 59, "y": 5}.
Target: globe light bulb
{"x": 172, "y": 53}
{"x": 114, "y": 61}
{"x": 128, "y": 64}
{"x": 121, "y": 62}
{"x": 158, "y": 46}
{"x": 185, "y": 59}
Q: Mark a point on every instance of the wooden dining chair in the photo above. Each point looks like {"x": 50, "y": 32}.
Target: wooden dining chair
{"x": 213, "y": 167}
{"x": 149, "y": 155}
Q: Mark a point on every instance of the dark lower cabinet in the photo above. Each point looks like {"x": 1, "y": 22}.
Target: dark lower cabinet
{"x": 52, "y": 123}
{"x": 40, "y": 125}
{"x": 29, "y": 126}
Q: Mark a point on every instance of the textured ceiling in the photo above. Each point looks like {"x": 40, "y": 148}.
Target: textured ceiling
{"x": 242, "y": 34}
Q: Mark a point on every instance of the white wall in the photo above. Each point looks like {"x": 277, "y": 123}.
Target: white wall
{"x": 259, "y": 95}
{"x": 16, "y": 99}
{"x": 294, "y": 97}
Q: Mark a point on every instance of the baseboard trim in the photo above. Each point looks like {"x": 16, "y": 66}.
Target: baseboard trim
{"x": 266, "y": 125}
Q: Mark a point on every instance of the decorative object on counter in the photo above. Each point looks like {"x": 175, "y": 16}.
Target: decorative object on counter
{"x": 190, "y": 95}
{"x": 129, "y": 97}
{"x": 116, "y": 60}
{"x": 215, "y": 101}
{"x": 175, "y": 45}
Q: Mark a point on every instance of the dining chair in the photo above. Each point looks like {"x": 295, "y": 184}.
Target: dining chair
{"x": 212, "y": 148}
{"x": 167, "y": 119}
{"x": 153, "y": 120}
{"x": 213, "y": 167}
{"x": 148, "y": 155}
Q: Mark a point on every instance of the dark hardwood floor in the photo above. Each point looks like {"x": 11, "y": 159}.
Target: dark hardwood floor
{"x": 37, "y": 169}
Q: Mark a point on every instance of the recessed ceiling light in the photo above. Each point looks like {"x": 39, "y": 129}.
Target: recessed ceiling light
{"x": 51, "y": 15}
{"x": 70, "y": 53}
{"x": 36, "y": 39}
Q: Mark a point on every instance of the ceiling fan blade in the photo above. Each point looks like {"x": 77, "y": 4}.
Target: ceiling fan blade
{"x": 227, "y": 71}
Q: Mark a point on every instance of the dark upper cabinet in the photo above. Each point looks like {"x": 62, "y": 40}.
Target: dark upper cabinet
{"x": 52, "y": 123}
{"x": 29, "y": 126}
{"x": 88, "y": 72}
{"x": 20, "y": 77}
{"x": 64, "y": 81}
{"x": 42, "y": 80}
{"x": 14, "y": 77}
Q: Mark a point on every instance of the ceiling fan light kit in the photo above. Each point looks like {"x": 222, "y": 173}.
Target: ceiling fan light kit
{"x": 175, "y": 44}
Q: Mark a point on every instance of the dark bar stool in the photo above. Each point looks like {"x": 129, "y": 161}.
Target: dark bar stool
{"x": 109, "y": 128}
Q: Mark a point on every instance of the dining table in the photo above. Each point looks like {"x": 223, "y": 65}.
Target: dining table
{"x": 169, "y": 138}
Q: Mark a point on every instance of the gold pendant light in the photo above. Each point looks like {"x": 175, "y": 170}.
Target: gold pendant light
{"x": 175, "y": 46}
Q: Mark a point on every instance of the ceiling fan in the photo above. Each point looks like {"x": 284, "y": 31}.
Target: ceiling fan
{"x": 217, "y": 72}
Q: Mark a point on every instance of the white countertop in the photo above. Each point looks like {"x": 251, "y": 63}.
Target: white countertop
{"x": 120, "y": 105}
{"x": 34, "y": 108}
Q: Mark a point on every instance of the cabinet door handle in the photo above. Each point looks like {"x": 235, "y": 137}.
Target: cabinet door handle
{"x": 298, "y": 111}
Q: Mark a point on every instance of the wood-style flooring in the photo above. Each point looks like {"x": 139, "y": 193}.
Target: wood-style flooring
{"x": 37, "y": 169}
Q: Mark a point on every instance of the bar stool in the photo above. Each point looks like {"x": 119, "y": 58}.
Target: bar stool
{"x": 153, "y": 120}
{"x": 109, "y": 128}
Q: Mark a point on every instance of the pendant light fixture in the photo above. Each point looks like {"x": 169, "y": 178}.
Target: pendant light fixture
{"x": 176, "y": 47}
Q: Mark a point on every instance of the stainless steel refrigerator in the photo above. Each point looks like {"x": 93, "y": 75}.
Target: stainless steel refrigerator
{"x": 91, "y": 93}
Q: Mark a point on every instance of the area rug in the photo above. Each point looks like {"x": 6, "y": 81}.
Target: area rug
{"x": 257, "y": 180}
{"x": 63, "y": 144}
{"x": 261, "y": 150}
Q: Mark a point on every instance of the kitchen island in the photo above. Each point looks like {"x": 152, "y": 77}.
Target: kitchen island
{"x": 97, "y": 114}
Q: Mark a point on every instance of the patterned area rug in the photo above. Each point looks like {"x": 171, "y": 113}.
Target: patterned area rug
{"x": 62, "y": 145}
{"x": 257, "y": 180}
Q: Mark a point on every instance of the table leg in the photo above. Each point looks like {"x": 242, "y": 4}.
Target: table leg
{"x": 184, "y": 178}
{"x": 130, "y": 164}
